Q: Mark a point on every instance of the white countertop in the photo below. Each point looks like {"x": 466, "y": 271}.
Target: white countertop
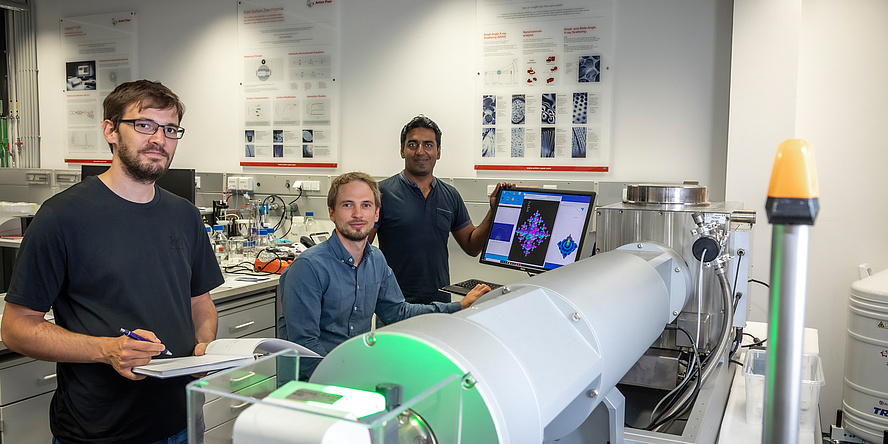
{"x": 735, "y": 428}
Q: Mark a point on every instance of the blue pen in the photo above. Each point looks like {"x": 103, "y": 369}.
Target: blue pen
{"x": 139, "y": 338}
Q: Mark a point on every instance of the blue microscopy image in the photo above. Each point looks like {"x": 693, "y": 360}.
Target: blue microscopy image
{"x": 307, "y": 136}
{"x": 488, "y": 142}
{"x": 578, "y": 143}
{"x": 517, "y": 142}
{"x": 547, "y": 114}
{"x": 547, "y": 142}
{"x": 581, "y": 101}
{"x": 589, "y": 69}
{"x": 249, "y": 150}
{"x": 277, "y": 136}
{"x": 488, "y": 110}
{"x": 517, "y": 109}
{"x": 307, "y": 151}
{"x": 278, "y": 150}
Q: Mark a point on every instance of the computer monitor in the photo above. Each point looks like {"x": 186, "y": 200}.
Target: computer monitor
{"x": 536, "y": 230}
{"x": 178, "y": 181}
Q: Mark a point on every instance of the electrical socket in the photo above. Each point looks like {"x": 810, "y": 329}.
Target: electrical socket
{"x": 196, "y": 182}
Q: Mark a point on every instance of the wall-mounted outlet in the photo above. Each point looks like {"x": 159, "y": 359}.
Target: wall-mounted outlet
{"x": 312, "y": 185}
{"x": 232, "y": 183}
{"x": 196, "y": 182}
{"x": 245, "y": 183}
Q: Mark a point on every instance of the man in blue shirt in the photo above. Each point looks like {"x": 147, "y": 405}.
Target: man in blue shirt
{"x": 418, "y": 214}
{"x": 331, "y": 291}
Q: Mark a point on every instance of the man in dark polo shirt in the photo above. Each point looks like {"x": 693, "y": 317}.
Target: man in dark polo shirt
{"x": 418, "y": 214}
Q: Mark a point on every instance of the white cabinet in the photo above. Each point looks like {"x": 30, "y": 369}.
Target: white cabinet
{"x": 249, "y": 316}
{"x": 26, "y": 387}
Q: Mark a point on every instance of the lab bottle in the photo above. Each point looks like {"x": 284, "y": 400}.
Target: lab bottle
{"x": 262, "y": 240}
{"x": 272, "y": 238}
{"x": 235, "y": 250}
{"x": 296, "y": 228}
{"x": 220, "y": 245}
{"x": 310, "y": 226}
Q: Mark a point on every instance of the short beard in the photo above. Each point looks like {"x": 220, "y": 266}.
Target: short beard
{"x": 352, "y": 235}
{"x": 142, "y": 173}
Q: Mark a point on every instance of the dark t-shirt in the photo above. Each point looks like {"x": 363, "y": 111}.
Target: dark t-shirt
{"x": 413, "y": 232}
{"x": 103, "y": 263}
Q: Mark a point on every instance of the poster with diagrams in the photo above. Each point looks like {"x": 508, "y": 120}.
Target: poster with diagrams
{"x": 289, "y": 69}
{"x": 545, "y": 83}
{"x": 99, "y": 53}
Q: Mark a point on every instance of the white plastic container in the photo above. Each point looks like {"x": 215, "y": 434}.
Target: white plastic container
{"x": 865, "y": 395}
{"x": 812, "y": 379}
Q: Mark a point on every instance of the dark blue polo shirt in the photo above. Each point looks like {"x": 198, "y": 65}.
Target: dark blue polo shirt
{"x": 413, "y": 232}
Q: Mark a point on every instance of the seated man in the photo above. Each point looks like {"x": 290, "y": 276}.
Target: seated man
{"x": 330, "y": 292}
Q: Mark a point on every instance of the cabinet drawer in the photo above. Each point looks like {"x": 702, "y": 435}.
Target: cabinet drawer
{"x": 220, "y": 410}
{"x": 27, "y": 422}
{"x": 220, "y": 434}
{"x": 239, "y": 323}
{"x": 26, "y": 380}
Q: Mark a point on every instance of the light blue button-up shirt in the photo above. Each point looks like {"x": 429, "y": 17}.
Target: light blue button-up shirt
{"x": 327, "y": 300}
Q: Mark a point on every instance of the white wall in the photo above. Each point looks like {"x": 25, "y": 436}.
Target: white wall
{"x": 812, "y": 69}
{"x": 405, "y": 57}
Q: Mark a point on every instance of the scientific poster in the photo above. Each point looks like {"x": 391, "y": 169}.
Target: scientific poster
{"x": 99, "y": 53}
{"x": 545, "y": 82}
{"x": 289, "y": 69}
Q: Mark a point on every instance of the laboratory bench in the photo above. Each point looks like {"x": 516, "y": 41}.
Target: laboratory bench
{"x": 246, "y": 307}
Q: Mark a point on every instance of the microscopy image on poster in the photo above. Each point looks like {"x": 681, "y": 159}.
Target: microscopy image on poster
{"x": 578, "y": 143}
{"x": 518, "y": 108}
{"x": 307, "y": 151}
{"x": 580, "y": 106}
{"x": 488, "y": 142}
{"x": 278, "y": 150}
{"x": 488, "y": 110}
{"x": 547, "y": 113}
{"x": 589, "y": 69}
{"x": 277, "y": 136}
{"x": 547, "y": 142}
{"x": 517, "y": 142}
{"x": 249, "y": 150}
{"x": 307, "y": 136}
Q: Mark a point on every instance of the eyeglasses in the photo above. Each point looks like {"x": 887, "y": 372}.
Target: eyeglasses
{"x": 146, "y": 126}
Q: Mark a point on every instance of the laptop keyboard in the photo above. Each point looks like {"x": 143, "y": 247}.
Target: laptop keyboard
{"x": 465, "y": 286}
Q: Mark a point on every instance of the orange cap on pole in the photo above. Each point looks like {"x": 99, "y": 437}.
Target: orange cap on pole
{"x": 793, "y": 192}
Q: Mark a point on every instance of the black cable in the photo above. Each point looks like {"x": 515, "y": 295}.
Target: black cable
{"x": 737, "y": 274}
{"x": 759, "y": 282}
{"x": 698, "y": 372}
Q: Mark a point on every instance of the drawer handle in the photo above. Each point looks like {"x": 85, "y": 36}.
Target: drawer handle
{"x": 240, "y": 406}
{"x": 48, "y": 377}
{"x": 240, "y": 327}
{"x": 247, "y": 376}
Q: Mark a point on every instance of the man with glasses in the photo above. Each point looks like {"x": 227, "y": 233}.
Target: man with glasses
{"x": 115, "y": 252}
